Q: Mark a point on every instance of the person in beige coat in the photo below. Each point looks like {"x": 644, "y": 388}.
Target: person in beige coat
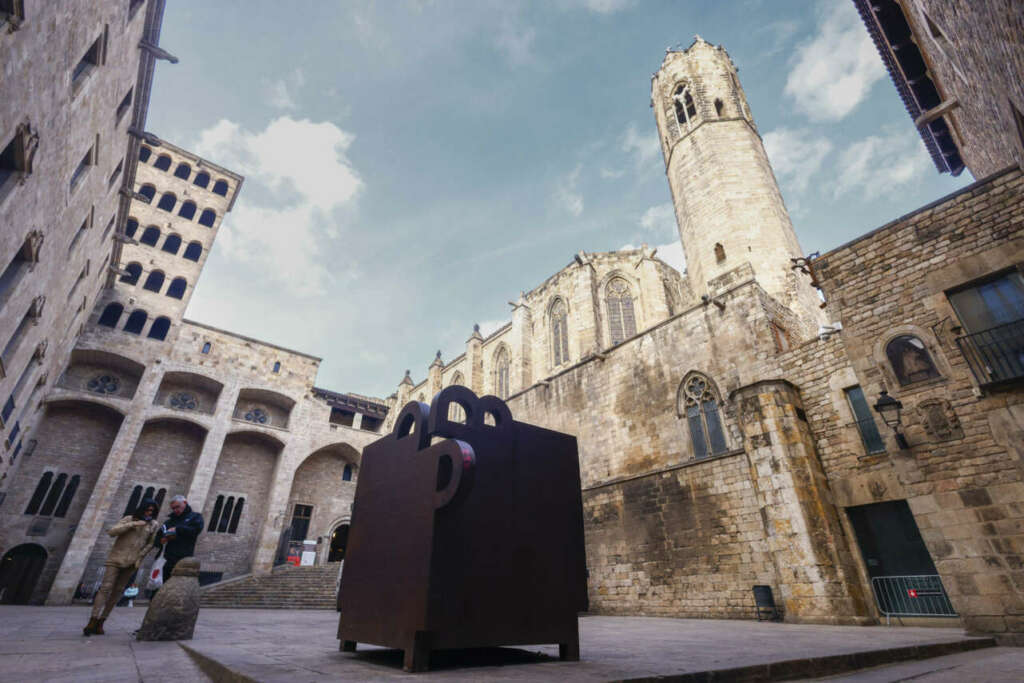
{"x": 134, "y": 536}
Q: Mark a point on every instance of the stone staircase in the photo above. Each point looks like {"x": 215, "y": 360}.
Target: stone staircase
{"x": 286, "y": 587}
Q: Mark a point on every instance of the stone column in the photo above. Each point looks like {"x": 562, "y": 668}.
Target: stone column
{"x": 107, "y": 484}
{"x": 801, "y": 521}
{"x": 277, "y": 507}
{"x": 522, "y": 346}
{"x": 206, "y": 466}
{"x": 475, "y": 361}
{"x": 434, "y": 376}
{"x": 585, "y": 311}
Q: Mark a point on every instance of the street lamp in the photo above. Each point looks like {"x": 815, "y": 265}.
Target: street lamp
{"x": 889, "y": 408}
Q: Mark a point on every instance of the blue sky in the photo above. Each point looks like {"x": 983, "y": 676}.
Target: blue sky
{"x": 411, "y": 166}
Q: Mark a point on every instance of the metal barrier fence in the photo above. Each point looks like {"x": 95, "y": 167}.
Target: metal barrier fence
{"x": 911, "y": 596}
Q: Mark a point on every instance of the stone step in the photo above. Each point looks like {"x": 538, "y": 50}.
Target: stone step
{"x": 284, "y": 588}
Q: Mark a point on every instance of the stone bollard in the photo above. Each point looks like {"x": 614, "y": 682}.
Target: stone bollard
{"x": 174, "y": 609}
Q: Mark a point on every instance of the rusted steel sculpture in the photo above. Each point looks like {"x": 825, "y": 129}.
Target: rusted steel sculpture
{"x": 473, "y": 541}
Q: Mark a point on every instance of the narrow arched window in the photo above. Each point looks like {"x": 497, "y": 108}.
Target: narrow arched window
{"x": 910, "y": 360}
{"x": 202, "y": 179}
{"x": 346, "y": 474}
{"x": 225, "y": 516}
{"x": 501, "y": 367}
{"x": 193, "y": 251}
{"x": 621, "y": 318}
{"x": 206, "y": 347}
{"x": 177, "y": 290}
{"x": 559, "y": 333}
{"x": 149, "y": 492}
{"x": 148, "y": 191}
{"x": 133, "y": 500}
{"x": 130, "y": 227}
{"x": 236, "y": 516}
{"x": 144, "y": 153}
{"x": 215, "y": 515}
{"x": 172, "y": 244}
{"x": 134, "y": 270}
{"x": 54, "y": 495}
{"x": 277, "y": 366}
{"x": 39, "y": 494}
{"x": 686, "y": 110}
{"x": 154, "y": 281}
{"x": 136, "y": 321}
{"x": 187, "y": 210}
{"x": 69, "y": 495}
{"x": 699, "y": 403}
{"x": 719, "y": 107}
{"x": 159, "y": 328}
{"x": 183, "y": 171}
{"x": 167, "y": 201}
{"x": 163, "y": 162}
{"x": 719, "y": 252}
{"x": 111, "y": 314}
{"x": 457, "y": 413}
{"x": 221, "y": 187}
{"x": 208, "y": 217}
{"x": 159, "y": 500}
{"x": 150, "y": 235}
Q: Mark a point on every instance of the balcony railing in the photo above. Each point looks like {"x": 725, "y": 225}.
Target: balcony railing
{"x": 995, "y": 355}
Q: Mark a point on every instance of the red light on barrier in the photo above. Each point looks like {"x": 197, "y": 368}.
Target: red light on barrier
{"x": 912, "y": 592}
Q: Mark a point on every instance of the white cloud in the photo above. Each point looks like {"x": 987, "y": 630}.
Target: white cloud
{"x": 659, "y": 220}
{"x": 566, "y": 194}
{"x": 601, "y": 6}
{"x": 672, "y": 254}
{"x": 281, "y": 93}
{"x": 297, "y": 181}
{"x": 778, "y": 35}
{"x": 833, "y": 72}
{"x": 881, "y": 165}
{"x": 612, "y": 174}
{"x": 644, "y": 147}
{"x": 796, "y": 155}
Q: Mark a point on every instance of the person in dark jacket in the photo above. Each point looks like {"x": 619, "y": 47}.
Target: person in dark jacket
{"x": 178, "y": 534}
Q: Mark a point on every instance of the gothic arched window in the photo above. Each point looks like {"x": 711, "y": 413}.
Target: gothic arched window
{"x": 187, "y": 210}
{"x": 686, "y": 110}
{"x": 133, "y": 500}
{"x": 501, "y": 364}
{"x": 559, "y": 333}
{"x": 455, "y": 411}
{"x": 621, "y": 318}
{"x": 111, "y": 314}
{"x": 910, "y": 360}
{"x": 193, "y": 251}
{"x": 698, "y": 401}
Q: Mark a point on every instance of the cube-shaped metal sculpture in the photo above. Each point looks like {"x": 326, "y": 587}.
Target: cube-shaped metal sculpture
{"x": 475, "y": 540}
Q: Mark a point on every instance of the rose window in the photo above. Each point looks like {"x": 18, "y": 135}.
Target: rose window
{"x": 257, "y": 415}
{"x": 104, "y": 384}
{"x": 184, "y": 401}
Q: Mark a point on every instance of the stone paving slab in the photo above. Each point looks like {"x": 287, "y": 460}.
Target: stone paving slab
{"x": 45, "y": 644}
{"x": 990, "y": 665}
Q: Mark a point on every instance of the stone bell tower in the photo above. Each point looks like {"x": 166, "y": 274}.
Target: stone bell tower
{"x": 728, "y": 206}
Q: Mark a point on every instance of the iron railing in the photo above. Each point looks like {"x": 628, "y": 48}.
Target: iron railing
{"x": 911, "y": 596}
{"x": 995, "y": 355}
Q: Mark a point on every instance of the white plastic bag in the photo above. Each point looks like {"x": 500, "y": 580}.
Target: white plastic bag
{"x": 156, "y": 573}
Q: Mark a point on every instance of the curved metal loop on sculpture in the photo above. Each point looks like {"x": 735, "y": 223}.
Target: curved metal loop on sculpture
{"x": 476, "y": 409}
{"x": 413, "y": 418}
{"x": 463, "y": 461}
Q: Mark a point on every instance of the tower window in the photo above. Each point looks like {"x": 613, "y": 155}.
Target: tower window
{"x": 719, "y": 107}
{"x": 193, "y": 251}
{"x": 220, "y": 187}
{"x": 621, "y": 318}
{"x": 699, "y": 403}
{"x": 144, "y": 153}
{"x": 559, "y": 333}
{"x": 111, "y": 314}
{"x": 132, "y": 273}
{"x": 136, "y": 321}
{"x": 277, "y": 366}
{"x": 183, "y": 171}
{"x": 501, "y": 365}
{"x": 159, "y": 328}
{"x": 719, "y": 253}
{"x": 150, "y": 236}
{"x": 202, "y": 179}
{"x": 187, "y": 210}
{"x": 206, "y": 347}
{"x": 155, "y": 281}
{"x": 686, "y": 110}
{"x": 163, "y": 162}
{"x": 207, "y": 217}
{"x": 148, "y": 191}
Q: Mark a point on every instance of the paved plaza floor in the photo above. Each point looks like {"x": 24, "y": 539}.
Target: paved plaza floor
{"x": 45, "y": 644}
